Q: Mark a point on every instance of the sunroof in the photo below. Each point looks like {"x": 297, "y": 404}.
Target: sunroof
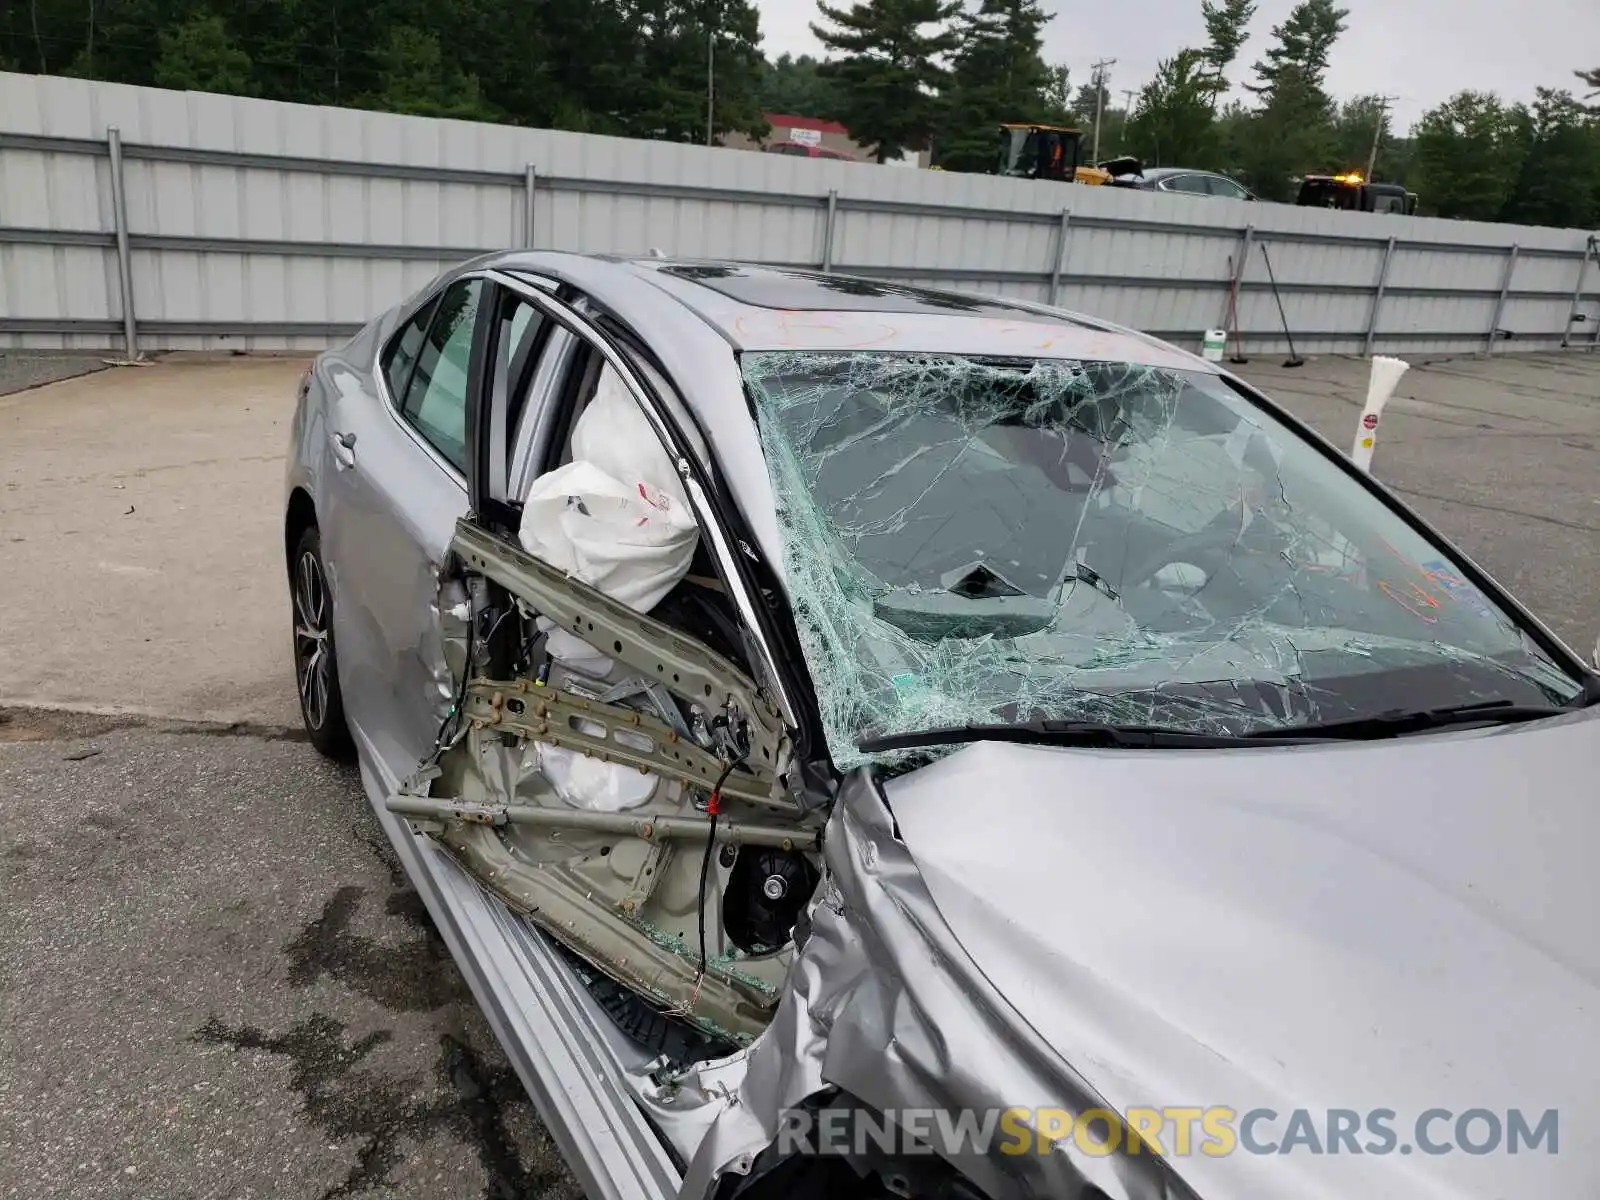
{"x": 783, "y": 288}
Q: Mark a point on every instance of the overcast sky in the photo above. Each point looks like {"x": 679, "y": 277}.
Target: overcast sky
{"x": 1421, "y": 51}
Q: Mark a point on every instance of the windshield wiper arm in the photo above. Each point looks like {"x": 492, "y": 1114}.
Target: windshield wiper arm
{"x": 1398, "y": 721}
{"x": 1058, "y": 733}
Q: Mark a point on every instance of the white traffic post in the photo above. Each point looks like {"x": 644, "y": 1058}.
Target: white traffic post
{"x": 1386, "y": 374}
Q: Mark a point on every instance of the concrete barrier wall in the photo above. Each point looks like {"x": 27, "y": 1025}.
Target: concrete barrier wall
{"x": 255, "y": 224}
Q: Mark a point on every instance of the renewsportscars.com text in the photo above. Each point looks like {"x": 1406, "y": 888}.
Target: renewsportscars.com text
{"x": 1173, "y": 1131}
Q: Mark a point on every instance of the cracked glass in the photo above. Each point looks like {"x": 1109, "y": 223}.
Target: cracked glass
{"x": 972, "y": 540}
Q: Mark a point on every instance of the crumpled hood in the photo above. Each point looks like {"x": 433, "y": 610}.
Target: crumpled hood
{"x": 1404, "y": 925}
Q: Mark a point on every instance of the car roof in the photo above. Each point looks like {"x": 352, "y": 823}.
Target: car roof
{"x": 764, "y": 307}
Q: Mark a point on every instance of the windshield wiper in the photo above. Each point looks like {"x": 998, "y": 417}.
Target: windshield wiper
{"x": 1059, "y": 733}
{"x": 1399, "y": 721}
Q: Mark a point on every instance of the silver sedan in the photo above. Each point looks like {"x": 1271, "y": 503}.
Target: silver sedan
{"x": 860, "y": 740}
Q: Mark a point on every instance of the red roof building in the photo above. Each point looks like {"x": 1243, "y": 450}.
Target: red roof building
{"x": 807, "y": 137}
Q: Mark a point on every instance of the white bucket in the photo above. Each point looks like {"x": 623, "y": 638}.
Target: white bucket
{"x": 1216, "y": 341}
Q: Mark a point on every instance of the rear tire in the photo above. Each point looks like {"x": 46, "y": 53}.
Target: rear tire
{"x": 316, "y": 667}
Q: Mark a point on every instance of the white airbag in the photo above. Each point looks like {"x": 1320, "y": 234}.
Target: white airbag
{"x": 616, "y": 516}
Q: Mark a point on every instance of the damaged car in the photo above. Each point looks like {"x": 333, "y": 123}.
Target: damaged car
{"x": 807, "y": 702}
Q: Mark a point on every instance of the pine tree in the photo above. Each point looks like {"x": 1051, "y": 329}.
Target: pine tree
{"x": 1293, "y": 131}
{"x": 1226, "y": 23}
{"x": 889, "y": 72}
{"x": 998, "y": 75}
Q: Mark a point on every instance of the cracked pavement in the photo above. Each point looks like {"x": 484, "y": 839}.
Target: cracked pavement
{"x": 213, "y": 981}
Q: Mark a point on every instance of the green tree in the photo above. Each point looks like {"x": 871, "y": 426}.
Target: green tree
{"x": 1469, "y": 153}
{"x": 414, "y": 77}
{"x": 998, "y": 74}
{"x": 796, "y": 86}
{"x": 1356, "y": 123}
{"x": 1559, "y": 183}
{"x": 890, "y": 69}
{"x": 1226, "y": 22}
{"x": 1058, "y": 96}
{"x": 677, "y": 68}
{"x": 1172, "y": 123}
{"x": 200, "y": 55}
{"x": 1590, "y": 79}
{"x": 1293, "y": 130}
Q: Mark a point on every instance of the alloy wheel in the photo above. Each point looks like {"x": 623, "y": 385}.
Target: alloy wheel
{"x": 313, "y": 653}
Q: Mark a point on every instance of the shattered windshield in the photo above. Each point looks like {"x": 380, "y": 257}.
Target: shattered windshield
{"x": 974, "y": 540}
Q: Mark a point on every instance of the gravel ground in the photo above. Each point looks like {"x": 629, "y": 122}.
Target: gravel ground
{"x": 217, "y": 984}
{"x": 22, "y": 370}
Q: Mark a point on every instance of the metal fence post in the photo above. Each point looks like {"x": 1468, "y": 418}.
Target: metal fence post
{"x": 1577, "y": 292}
{"x": 1594, "y": 338}
{"x": 119, "y": 218}
{"x": 1246, "y": 240}
{"x": 530, "y": 182}
{"x": 827, "y": 230}
{"x": 1505, "y": 287}
{"x": 1377, "y": 299}
{"x": 1062, "y": 233}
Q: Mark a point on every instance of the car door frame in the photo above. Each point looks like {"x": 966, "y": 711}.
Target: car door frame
{"x": 396, "y": 727}
{"x": 566, "y": 308}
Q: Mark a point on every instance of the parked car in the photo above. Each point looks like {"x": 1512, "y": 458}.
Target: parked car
{"x": 802, "y": 699}
{"x": 1190, "y": 183}
{"x": 805, "y": 150}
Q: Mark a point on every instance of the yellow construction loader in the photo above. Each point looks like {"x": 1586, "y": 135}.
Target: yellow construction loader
{"x": 1054, "y": 152}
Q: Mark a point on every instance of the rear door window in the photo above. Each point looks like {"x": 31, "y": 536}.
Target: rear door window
{"x": 1191, "y": 184}
{"x": 401, "y": 355}
{"x": 435, "y": 401}
{"x": 1227, "y": 188}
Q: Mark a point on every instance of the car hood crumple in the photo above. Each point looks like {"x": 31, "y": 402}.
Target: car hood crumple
{"x": 1406, "y": 924}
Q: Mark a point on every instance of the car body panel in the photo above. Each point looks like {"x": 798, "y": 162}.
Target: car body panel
{"x": 1178, "y": 181}
{"x": 1379, "y": 946}
{"x": 939, "y": 973}
{"x": 388, "y": 520}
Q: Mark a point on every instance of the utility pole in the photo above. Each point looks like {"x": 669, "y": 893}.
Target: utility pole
{"x": 711, "y": 82}
{"x": 1099, "y": 78}
{"x": 1128, "y": 95}
{"x": 1377, "y": 134}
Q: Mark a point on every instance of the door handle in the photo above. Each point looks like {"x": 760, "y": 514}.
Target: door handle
{"x": 344, "y": 449}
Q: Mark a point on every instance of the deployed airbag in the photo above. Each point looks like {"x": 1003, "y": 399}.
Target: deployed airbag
{"x": 616, "y": 516}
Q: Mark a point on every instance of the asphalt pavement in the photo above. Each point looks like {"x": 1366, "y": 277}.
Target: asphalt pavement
{"x": 214, "y": 981}
{"x": 217, "y": 983}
